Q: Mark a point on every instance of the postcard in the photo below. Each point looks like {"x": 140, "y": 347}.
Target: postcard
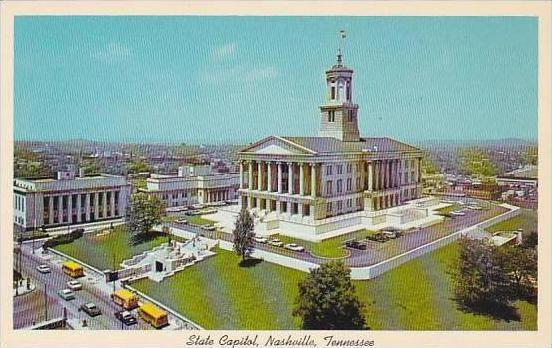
{"x": 276, "y": 174}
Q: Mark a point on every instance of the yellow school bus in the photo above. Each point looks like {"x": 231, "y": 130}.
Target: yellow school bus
{"x": 73, "y": 269}
{"x": 153, "y": 315}
{"x": 125, "y": 298}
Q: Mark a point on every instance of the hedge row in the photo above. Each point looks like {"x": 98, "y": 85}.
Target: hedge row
{"x": 64, "y": 238}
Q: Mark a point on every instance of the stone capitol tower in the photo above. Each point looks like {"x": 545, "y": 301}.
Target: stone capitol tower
{"x": 338, "y": 115}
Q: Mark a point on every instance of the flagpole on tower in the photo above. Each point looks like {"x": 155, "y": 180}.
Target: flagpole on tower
{"x": 341, "y": 46}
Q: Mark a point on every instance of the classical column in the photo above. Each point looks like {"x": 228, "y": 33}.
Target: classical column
{"x": 290, "y": 178}
{"x": 301, "y": 179}
{"x": 279, "y": 177}
{"x": 397, "y": 173}
{"x": 313, "y": 179}
{"x": 87, "y": 207}
{"x": 104, "y": 204}
{"x": 112, "y": 203}
{"x": 388, "y": 174}
{"x": 70, "y": 209}
{"x": 300, "y": 209}
{"x": 241, "y": 175}
{"x": 259, "y": 175}
{"x": 60, "y": 209}
{"x": 376, "y": 176}
{"x": 79, "y": 208}
{"x": 51, "y": 210}
{"x": 393, "y": 171}
{"x": 250, "y": 174}
{"x": 96, "y": 205}
{"x": 370, "y": 176}
{"x": 269, "y": 176}
{"x": 278, "y": 207}
{"x": 419, "y": 170}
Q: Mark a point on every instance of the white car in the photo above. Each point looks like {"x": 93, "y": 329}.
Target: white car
{"x": 182, "y": 221}
{"x": 74, "y": 285}
{"x": 276, "y": 242}
{"x": 261, "y": 240}
{"x": 66, "y": 294}
{"x": 294, "y": 247}
{"x": 474, "y": 207}
{"x": 43, "y": 269}
{"x": 457, "y": 213}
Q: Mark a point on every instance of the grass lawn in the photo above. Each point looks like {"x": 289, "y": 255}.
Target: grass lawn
{"x": 107, "y": 251}
{"x": 219, "y": 294}
{"x": 198, "y": 220}
{"x": 330, "y": 248}
{"x": 450, "y": 208}
{"x": 527, "y": 220}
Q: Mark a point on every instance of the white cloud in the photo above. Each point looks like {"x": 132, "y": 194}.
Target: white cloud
{"x": 111, "y": 53}
{"x": 220, "y": 52}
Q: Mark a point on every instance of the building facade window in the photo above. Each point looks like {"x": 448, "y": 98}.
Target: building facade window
{"x": 339, "y": 186}
{"x": 349, "y": 184}
{"x": 329, "y": 207}
{"x": 349, "y": 167}
{"x": 340, "y": 169}
{"x": 329, "y": 170}
{"x": 329, "y": 187}
{"x": 339, "y": 205}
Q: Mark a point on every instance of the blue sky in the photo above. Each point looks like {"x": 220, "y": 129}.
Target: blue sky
{"x": 237, "y": 79}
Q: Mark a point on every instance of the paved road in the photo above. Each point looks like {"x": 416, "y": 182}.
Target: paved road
{"x": 30, "y": 308}
{"x": 378, "y": 252}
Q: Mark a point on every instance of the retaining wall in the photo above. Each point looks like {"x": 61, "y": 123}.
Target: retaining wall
{"x": 85, "y": 265}
{"x": 373, "y": 271}
{"x": 286, "y": 261}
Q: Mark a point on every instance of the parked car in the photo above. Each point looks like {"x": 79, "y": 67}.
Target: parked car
{"x": 126, "y": 317}
{"x": 261, "y": 240}
{"x": 66, "y": 294}
{"x": 74, "y": 285}
{"x": 457, "y": 213}
{"x": 276, "y": 242}
{"x": 43, "y": 269}
{"x": 474, "y": 207}
{"x": 294, "y": 247}
{"x": 378, "y": 237}
{"x": 355, "y": 244}
{"x": 91, "y": 309}
{"x": 391, "y": 234}
{"x": 182, "y": 221}
{"x": 209, "y": 227}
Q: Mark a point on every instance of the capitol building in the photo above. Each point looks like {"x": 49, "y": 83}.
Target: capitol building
{"x": 338, "y": 179}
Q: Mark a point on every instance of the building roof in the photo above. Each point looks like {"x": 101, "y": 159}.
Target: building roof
{"x": 87, "y": 182}
{"x": 527, "y": 172}
{"x": 333, "y": 145}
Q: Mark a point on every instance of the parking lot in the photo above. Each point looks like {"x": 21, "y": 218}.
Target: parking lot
{"x": 376, "y": 251}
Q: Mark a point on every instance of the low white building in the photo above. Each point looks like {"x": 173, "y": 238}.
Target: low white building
{"x": 192, "y": 185}
{"x": 69, "y": 199}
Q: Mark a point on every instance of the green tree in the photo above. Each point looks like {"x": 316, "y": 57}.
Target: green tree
{"x": 429, "y": 167}
{"x": 520, "y": 264}
{"x": 327, "y": 300}
{"x": 474, "y": 161}
{"x": 531, "y": 241}
{"x": 530, "y": 155}
{"x": 479, "y": 277}
{"x": 144, "y": 212}
{"x": 139, "y": 166}
{"x": 244, "y": 234}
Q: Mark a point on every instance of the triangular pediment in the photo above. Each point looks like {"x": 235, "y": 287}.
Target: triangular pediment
{"x": 276, "y": 146}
